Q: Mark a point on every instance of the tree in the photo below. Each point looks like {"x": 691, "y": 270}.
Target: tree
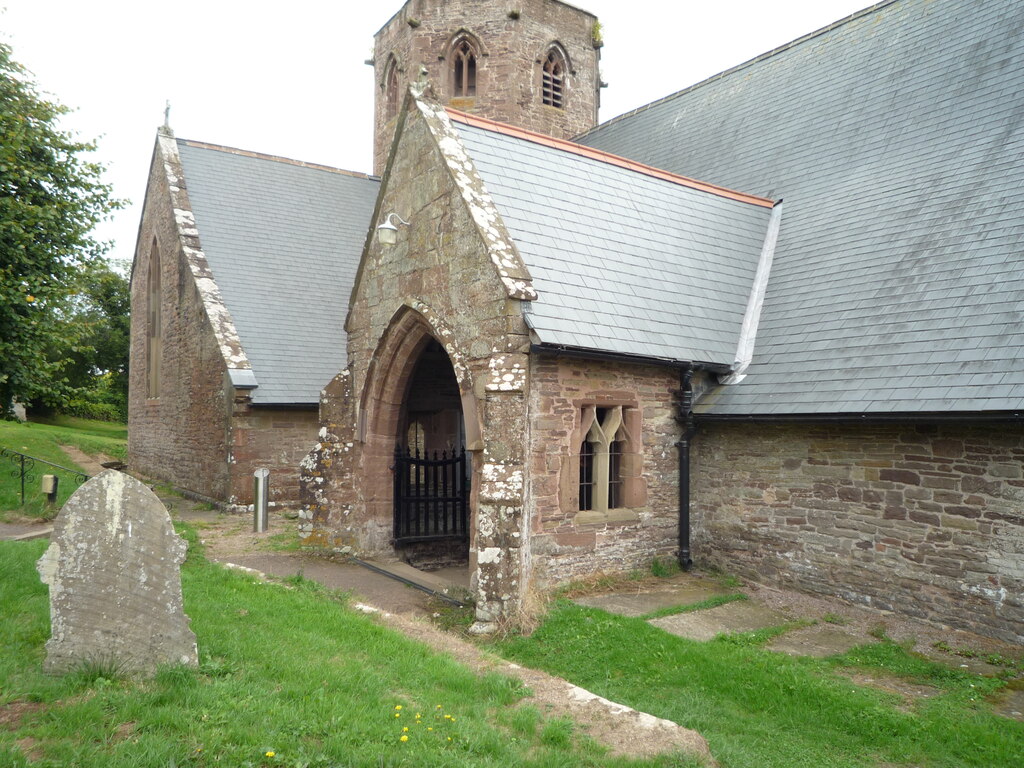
{"x": 51, "y": 198}
{"x": 96, "y": 353}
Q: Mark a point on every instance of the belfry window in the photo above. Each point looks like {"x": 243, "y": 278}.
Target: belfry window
{"x": 464, "y": 69}
{"x": 601, "y": 459}
{"x": 553, "y": 79}
{"x": 391, "y": 90}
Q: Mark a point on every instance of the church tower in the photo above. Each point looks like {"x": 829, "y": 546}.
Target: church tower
{"x": 531, "y": 63}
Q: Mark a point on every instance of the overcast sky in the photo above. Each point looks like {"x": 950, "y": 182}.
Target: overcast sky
{"x": 288, "y": 78}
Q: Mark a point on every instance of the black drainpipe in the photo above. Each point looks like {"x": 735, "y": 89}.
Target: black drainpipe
{"x": 685, "y": 418}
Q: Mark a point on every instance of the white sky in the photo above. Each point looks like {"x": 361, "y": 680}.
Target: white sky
{"x": 288, "y": 78}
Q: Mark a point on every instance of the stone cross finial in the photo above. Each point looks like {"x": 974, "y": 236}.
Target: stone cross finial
{"x": 165, "y": 129}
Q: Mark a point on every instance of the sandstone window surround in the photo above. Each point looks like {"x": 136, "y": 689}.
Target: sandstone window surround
{"x": 553, "y": 78}
{"x": 154, "y": 333}
{"x": 464, "y": 59}
{"x": 608, "y": 449}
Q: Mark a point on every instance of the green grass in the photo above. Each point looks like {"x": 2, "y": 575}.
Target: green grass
{"x": 42, "y": 440}
{"x": 700, "y": 605}
{"x": 288, "y": 670}
{"x": 760, "y": 709}
{"x": 102, "y": 429}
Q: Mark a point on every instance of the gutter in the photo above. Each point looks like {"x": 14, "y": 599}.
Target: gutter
{"x": 625, "y": 357}
{"x": 863, "y": 418}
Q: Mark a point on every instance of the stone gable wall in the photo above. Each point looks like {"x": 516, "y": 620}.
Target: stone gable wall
{"x": 923, "y": 520}
{"x": 439, "y": 281}
{"x": 201, "y": 435}
{"x": 182, "y": 436}
{"x": 567, "y": 544}
{"x": 508, "y": 74}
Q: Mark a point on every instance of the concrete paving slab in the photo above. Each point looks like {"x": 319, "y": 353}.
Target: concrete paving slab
{"x": 975, "y": 664}
{"x": 817, "y": 641}
{"x": 743, "y": 616}
{"x": 1012, "y": 706}
{"x": 640, "y": 603}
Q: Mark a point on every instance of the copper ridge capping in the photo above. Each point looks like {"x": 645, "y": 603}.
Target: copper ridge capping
{"x": 605, "y": 157}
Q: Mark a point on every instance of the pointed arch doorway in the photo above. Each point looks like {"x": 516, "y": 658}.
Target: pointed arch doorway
{"x": 432, "y": 471}
{"x": 418, "y": 400}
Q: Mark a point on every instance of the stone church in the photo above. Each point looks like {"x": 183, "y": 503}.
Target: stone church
{"x": 771, "y": 323}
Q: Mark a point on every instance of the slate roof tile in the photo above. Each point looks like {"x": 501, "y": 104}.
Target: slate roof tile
{"x": 895, "y": 139}
{"x": 623, "y": 262}
{"x": 283, "y": 241}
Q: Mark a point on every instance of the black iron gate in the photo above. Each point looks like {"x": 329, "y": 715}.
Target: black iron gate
{"x": 431, "y": 496}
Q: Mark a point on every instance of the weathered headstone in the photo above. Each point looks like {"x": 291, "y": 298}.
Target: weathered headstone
{"x": 113, "y": 568}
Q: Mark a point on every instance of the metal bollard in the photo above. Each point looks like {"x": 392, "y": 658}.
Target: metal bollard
{"x": 48, "y": 486}
{"x": 260, "y": 506}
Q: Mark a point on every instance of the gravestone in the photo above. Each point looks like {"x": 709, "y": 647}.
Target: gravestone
{"x": 113, "y": 568}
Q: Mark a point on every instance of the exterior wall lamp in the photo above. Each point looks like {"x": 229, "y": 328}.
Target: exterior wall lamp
{"x": 387, "y": 233}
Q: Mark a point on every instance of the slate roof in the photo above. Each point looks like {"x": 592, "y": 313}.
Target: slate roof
{"x": 896, "y": 138}
{"x": 623, "y": 260}
{"x": 283, "y": 240}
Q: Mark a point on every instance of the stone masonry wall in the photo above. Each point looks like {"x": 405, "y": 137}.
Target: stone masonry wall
{"x": 274, "y": 438}
{"x": 201, "y": 434}
{"x": 441, "y": 281}
{"x": 924, "y": 520}
{"x": 180, "y": 437}
{"x": 508, "y": 71}
{"x": 567, "y": 544}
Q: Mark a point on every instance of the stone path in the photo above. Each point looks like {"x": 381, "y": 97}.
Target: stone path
{"x": 815, "y": 627}
{"x": 92, "y": 465}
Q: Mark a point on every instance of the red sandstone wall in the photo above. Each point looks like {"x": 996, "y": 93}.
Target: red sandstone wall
{"x": 199, "y": 435}
{"x": 180, "y": 437}
{"x": 274, "y": 438}
{"x": 923, "y": 520}
{"x": 567, "y": 544}
{"x": 508, "y": 82}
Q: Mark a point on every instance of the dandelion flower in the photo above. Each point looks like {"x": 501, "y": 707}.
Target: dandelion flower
{"x": 449, "y": 738}
{"x": 404, "y": 738}
{"x": 398, "y": 707}
{"x": 270, "y": 754}
{"x": 429, "y": 728}
{"x": 437, "y": 707}
{"x": 405, "y": 729}
{"x": 398, "y": 714}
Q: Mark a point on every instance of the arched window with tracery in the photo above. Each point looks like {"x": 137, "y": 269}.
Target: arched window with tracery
{"x": 391, "y": 89}
{"x": 464, "y": 56}
{"x": 553, "y": 79}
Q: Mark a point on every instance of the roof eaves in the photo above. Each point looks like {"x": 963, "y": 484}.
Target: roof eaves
{"x": 606, "y": 157}
{"x": 750, "y": 62}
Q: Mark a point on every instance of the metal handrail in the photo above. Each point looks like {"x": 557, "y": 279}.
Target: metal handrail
{"x": 25, "y": 465}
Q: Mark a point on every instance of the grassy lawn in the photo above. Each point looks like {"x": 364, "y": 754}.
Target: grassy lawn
{"x": 288, "y": 677}
{"x": 760, "y": 709}
{"x": 42, "y": 440}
